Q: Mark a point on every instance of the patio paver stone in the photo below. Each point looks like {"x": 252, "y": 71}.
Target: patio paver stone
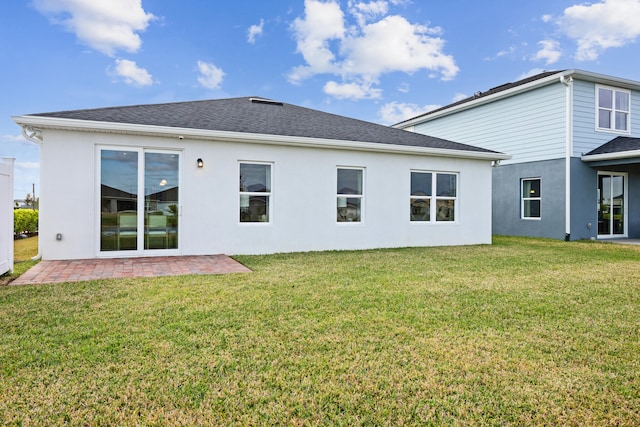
{"x": 113, "y": 268}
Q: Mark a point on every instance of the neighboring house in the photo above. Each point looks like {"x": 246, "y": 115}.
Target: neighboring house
{"x": 24, "y": 204}
{"x": 574, "y": 141}
{"x": 20, "y": 204}
{"x": 249, "y": 176}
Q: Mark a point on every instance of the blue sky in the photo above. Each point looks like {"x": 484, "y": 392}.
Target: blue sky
{"x": 381, "y": 61}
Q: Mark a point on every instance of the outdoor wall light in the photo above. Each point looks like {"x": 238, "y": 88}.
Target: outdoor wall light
{"x": 200, "y": 163}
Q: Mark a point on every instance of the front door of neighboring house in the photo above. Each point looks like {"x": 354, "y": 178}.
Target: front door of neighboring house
{"x": 612, "y": 204}
{"x": 138, "y": 201}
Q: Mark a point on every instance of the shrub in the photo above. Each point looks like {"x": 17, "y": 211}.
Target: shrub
{"x": 25, "y": 221}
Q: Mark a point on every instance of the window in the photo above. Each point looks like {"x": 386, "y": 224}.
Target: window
{"x": 255, "y": 192}
{"x": 433, "y": 196}
{"x": 349, "y": 194}
{"x": 530, "y": 206}
{"x": 613, "y": 109}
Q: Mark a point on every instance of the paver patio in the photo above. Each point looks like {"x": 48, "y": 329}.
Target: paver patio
{"x": 95, "y": 269}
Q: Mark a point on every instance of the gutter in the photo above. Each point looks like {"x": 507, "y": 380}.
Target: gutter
{"x": 34, "y": 135}
{"x": 620, "y": 155}
{"x": 28, "y": 123}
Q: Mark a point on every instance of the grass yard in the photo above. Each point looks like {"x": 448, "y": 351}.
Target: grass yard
{"x": 523, "y": 332}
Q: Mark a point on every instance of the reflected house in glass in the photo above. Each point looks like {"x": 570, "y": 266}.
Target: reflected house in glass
{"x": 113, "y": 201}
{"x": 249, "y": 176}
{"x": 574, "y": 141}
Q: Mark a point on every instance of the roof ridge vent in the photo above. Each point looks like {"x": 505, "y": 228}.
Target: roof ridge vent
{"x": 265, "y": 101}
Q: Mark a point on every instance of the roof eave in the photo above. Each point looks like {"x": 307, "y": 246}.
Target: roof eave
{"x": 604, "y": 79}
{"x": 610, "y": 156}
{"x": 255, "y": 138}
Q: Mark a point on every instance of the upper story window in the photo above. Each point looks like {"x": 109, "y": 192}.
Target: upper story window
{"x": 433, "y": 196}
{"x": 350, "y": 194}
{"x": 531, "y": 198}
{"x": 255, "y": 192}
{"x": 613, "y": 109}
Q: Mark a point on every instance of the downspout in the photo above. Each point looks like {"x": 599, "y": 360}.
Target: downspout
{"x": 35, "y": 136}
{"x": 568, "y": 82}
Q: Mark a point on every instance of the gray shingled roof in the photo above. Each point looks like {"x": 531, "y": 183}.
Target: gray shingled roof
{"x": 619, "y": 144}
{"x": 259, "y": 116}
{"x": 488, "y": 92}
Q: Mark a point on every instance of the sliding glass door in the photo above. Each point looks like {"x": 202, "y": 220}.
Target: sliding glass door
{"x": 611, "y": 205}
{"x": 139, "y": 200}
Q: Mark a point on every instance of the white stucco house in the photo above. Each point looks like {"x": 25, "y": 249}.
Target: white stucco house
{"x": 249, "y": 176}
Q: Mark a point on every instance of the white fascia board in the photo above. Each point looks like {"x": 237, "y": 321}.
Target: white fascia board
{"x": 611, "y": 156}
{"x": 254, "y": 138}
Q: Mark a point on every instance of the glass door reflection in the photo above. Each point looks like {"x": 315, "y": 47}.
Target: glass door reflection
{"x": 118, "y": 200}
{"x": 161, "y": 188}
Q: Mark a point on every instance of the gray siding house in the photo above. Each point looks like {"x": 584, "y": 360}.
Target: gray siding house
{"x": 574, "y": 138}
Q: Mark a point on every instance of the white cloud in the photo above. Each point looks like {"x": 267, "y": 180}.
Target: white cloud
{"x": 210, "y": 76}
{"x": 549, "y": 51}
{"x": 374, "y": 45}
{"x": 372, "y": 9}
{"x": 365, "y": 12}
{"x": 323, "y": 22}
{"x": 459, "y": 97}
{"x": 27, "y": 165}
{"x": 547, "y": 18}
{"x": 352, "y": 90}
{"x": 393, "y": 44}
{"x": 255, "y": 31}
{"x": 14, "y": 138}
{"x": 511, "y": 49}
{"x": 404, "y": 88}
{"x": 132, "y": 74}
{"x": 395, "y": 112}
{"x": 600, "y": 26}
{"x": 531, "y": 72}
{"x": 107, "y": 26}
{"x": 504, "y": 52}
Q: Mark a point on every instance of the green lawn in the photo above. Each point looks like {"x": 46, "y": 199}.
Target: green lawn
{"x": 23, "y": 251}
{"x": 523, "y": 332}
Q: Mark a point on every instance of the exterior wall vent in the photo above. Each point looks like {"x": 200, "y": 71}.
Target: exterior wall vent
{"x": 265, "y": 101}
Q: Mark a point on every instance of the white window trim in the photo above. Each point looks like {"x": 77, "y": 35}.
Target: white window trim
{"x": 434, "y": 197}
{"x": 352, "y": 196}
{"x": 597, "y": 111}
{"x": 523, "y": 199}
{"x": 252, "y": 193}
